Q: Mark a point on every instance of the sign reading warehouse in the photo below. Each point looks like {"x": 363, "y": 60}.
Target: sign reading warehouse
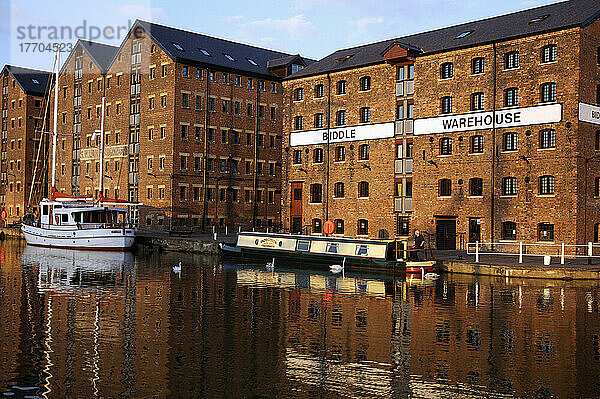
{"x": 485, "y": 120}
{"x": 343, "y": 134}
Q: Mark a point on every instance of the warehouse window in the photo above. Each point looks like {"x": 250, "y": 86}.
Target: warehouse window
{"x": 598, "y": 94}
{"x": 363, "y": 227}
{"x": 597, "y": 140}
{"x": 548, "y": 92}
{"x": 447, "y": 70}
{"x": 476, "y": 144}
{"x": 340, "y": 153}
{"x": 509, "y": 186}
{"x": 445, "y": 146}
{"x": 318, "y": 155}
{"x": 339, "y": 226}
{"x": 444, "y": 188}
{"x": 365, "y": 115}
{"x": 317, "y": 226}
{"x": 365, "y": 83}
{"x": 297, "y": 157}
{"x": 319, "y": 91}
{"x": 547, "y": 138}
{"x": 299, "y": 94}
{"x": 338, "y": 190}
{"x": 511, "y": 97}
{"x": 446, "y": 105}
{"x": 476, "y": 187}
{"x": 340, "y": 118}
{"x": 318, "y": 120}
{"x": 549, "y": 53}
{"x": 477, "y": 101}
{"x": 478, "y": 65}
{"x": 363, "y": 189}
{"x": 511, "y": 60}
{"x": 546, "y": 185}
{"x": 509, "y": 231}
{"x": 341, "y": 87}
{"x": 298, "y": 123}
{"x": 545, "y": 232}
{"x": 316, "y": 193}
{"x": 363, "y": 152}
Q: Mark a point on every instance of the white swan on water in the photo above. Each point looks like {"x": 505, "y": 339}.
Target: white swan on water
{"x": 270, "y": 265}
{"x": 338, "y": 268}
{"x": 177, "y": 269}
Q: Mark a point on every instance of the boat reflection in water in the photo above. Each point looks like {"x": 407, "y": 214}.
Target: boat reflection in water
{"x": 66, "y": 269}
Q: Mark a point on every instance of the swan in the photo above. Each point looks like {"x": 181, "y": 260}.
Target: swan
{"x": 338, "y": 268}
{"x": 177, "y": 269}
{"x": 432, "y": 276}
{"x": 270, "y": 265}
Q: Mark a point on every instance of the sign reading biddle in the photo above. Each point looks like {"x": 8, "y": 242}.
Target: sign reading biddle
{"x": 485, "y": 120}
{"x": 589, "y": 113}
{"x": 343, "y": 134}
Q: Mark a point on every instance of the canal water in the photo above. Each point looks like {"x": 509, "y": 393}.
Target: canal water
{"x": 89, "y": 324}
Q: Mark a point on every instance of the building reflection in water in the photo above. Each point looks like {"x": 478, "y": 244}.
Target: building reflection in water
{"x": 86, "y": 324}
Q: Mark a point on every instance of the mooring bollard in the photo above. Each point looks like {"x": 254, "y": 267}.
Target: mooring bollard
{"x": 562, "y": 253}
{"x": 521, "y": 252}
{"x": 215, "y": 236}
{"x": 226, "y": 231}
{"x": 476, "y": 251}
{"x": 239, "y": 229}
{"x": 213, "y": 229}
{"x": 589, "y": 249}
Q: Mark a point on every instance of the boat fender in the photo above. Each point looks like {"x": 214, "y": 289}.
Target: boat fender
{"x": 56, "y": 218}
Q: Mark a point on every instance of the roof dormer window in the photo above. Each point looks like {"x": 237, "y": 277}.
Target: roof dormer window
{"x": 539, "y": 19}
{"x": 177, "y": 46}
{"x": 230, "y": 58}
{"x": 35, "y": 81}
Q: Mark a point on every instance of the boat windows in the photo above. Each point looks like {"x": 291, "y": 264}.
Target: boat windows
{"x": 332, "y": 248}
{"x": 65, "y": 218}
{"x": 362, "y": 250}
{"x": 77, "y": 217}
{"x": 45, "y": 210}
{"x": 303, "y": 246}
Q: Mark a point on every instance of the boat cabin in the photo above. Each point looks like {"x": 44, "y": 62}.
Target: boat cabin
{"x": 80, "y": 214}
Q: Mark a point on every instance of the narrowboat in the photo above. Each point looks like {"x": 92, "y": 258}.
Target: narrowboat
{"x": 351, "y": 253}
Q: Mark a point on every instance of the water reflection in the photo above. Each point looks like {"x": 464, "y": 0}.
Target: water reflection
{"x": 86, "y": 324}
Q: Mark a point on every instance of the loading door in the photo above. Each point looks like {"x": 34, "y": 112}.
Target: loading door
{"x": 296, "y": 208}
{"x": 445, "y": 234}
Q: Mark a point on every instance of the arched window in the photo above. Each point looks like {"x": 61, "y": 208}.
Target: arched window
{"x": 445, "y": 146}
{"x": 478, "y": 65}
{"x": 340, "y": 153}
{"x": 476, "y": 187}
{"x": 318, "y": 155}
{"x": 511, "y": 60}
{"x": 363, "y": 189}
{"x": 549, "y": 53}
{"x": 445, "y": 188}
{"x": 546, "y": 185}
{"x": 447, "y": 70}
{"x": 509, "y": 186}
{"x": 365, "y": 83}
{"x": 477, "y": 101}
{"x": 446, "y": 105}
{"x": 548, "y": 92}
{"x": 476, "y": 144}
{"x": 299, "y": 94}
{"x": 338, "y": 190}
{"x": 547, "y": 138}
{"x": 509, "y": 231}
{"x": 545, "y": 232}
{"x": 363, "y": 227}
{"x": 318, "y": 120}
{"x": 510, "y": 141}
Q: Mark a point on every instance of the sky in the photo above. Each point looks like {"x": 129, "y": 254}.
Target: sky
{"x": 312, "y": 28}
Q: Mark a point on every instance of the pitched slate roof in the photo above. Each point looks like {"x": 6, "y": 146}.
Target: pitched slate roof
{"x": 284, "y": 61}
{"x": 102, "y": 54}
{"x": 27, "y": 78}
{"x": 552, "y": 17}
{"x": 245, "y": 58}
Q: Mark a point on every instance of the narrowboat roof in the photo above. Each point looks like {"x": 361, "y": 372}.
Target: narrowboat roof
{"x": 318, "y": 238}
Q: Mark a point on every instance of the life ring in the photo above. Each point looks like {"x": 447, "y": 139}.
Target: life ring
{"x": 56, "y": 218}
{"x": 3, "y": 215}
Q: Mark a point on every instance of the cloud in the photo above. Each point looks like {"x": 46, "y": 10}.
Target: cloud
{"x": 364, "y": 22}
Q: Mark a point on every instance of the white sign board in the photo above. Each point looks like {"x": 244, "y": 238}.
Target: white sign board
{"x": 342, "y": 134}
{"x": 485, "y": 120}
{"x": 589, "y": 113}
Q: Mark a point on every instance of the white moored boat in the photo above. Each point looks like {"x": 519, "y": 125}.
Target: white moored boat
{"x": 67, "y": 221}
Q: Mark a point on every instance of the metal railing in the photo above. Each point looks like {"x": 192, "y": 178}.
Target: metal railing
{"x": 546, "y": 251}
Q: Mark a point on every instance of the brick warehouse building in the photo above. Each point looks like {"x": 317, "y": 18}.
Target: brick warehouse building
{"x": 23, "y": 109}
{"x": 193, "y": 126}
{"x": 506, "y": 120}
{"x": 466, "y": 69}
{"x": 348, "y": 154}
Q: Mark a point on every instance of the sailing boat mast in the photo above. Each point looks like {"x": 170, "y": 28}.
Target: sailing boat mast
{"x": 102, "y": 150}
{"x": 54, "y": 130}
